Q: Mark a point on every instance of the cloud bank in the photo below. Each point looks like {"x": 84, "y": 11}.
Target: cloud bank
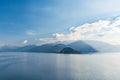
{"x": 103, "y": 30}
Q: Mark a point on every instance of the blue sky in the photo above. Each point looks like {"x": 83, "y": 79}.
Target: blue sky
{"x": 31, "y": 20}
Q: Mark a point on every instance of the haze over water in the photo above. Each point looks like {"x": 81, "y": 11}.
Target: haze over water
{"x": 46, "y": 66}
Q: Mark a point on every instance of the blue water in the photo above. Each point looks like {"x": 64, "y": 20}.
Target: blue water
{"x": 47, "y": 66}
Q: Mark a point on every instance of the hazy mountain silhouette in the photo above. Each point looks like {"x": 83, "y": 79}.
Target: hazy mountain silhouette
{"x": 81, "y": 46}
{"x": 7, "y": 48}
{"x": 16, "y": 49}
{"x": 102, "y": 46}
{"x": 58, "y": 47}
{"x": 43, "y": 48}
{"x": 68, "y": 50}
{"x": 24, "y": 48}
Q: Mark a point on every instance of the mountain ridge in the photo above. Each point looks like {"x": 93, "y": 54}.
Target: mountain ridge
{"x": 80, "y": 46}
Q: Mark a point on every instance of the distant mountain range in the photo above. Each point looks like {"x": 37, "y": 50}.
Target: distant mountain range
{"x": 79, "y": 47}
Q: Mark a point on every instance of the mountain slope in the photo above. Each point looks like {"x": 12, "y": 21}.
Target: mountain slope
{"x": 102, "y": 46}
{"x": 24, "y": 48}
{"x": 43, "y": 48}
{"x": 7, "y": 48}
{"x": 58, "y": 47}
{"x": 82, "y": 47}
{"x": 68, "y": 50}
{"x": 49, "y": 48}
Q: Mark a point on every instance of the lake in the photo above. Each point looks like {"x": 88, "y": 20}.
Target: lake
{"x": 48, "y": 66}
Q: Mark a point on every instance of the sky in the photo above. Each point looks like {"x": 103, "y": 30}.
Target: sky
{"x": 24, "y": 22}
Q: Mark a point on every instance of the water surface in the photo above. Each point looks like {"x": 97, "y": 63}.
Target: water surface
{"x": 47, "y": 66}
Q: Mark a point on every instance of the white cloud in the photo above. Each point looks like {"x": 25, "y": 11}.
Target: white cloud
{"x": 103, "y": 30}
{"x": 25, "y": 41}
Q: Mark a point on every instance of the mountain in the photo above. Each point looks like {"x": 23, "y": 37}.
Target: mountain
{"x": 68, "y": 50}
{"x": 7, "y": 48}
{"x": 103, "y": 46}
{"x": 16, "y": 49}
{"x": 43, "y": 48}
{"x": 78, "y": 47}
{"x": 58, "y": 47}
{"x": 49, "y": 48}
{"x": 82, "y": 47}
{"x": 24, "y": 48}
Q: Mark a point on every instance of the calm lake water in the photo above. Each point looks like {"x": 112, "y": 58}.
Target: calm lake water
{"x": 47, "y": 66}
